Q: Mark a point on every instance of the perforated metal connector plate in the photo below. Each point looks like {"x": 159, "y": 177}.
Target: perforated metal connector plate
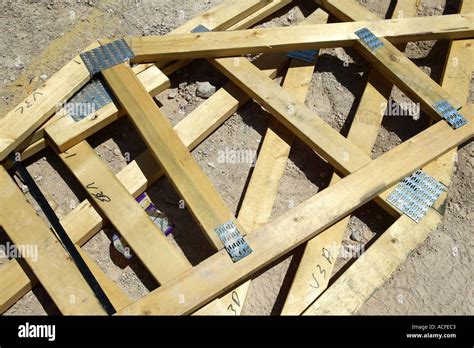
{"x": 369, "y": 39}
{"x": 308, "y": 56}
{"x": 200, "y": 29}
{"x": 93, "y": 96}
{"x": 450, "y": 114}
{"x": 416, "y": 194}
{"x": 234, "y": 243}
{"x": 106, "y": 56}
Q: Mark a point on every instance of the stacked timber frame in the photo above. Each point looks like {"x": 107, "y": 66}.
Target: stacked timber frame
{"x": 219, "y": 284}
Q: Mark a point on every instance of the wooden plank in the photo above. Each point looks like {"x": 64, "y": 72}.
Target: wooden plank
{"x": 50, "y": 263}
{"x": 211, "y": 277}
{"x": 66, "y": 132}
{"x": 327, "y": 142}
{"x": 314, "y": 269}
{"x": 160, "y": 257}
{"x": 262, "y": 40}
{"x": 220, "y": 18}
{"x": 170, "y": 67}
{"x": 193, "y": 186}
{"x": 366, "y": 274}
{"x": 257, "y": 204}
{"x": 370, "y": 271}
{"x": 353, "y": 288}
{"x": 83, "y": 221}
{"x": 116, "y": 295}
{"x": 406, "y": 75}
{"x": 257, "y": 16}
{"x": 15, "y": 283}
{"x": 263, "y": 187}
{"x": 34, "y": 110}
{"x": 224, "y": 16}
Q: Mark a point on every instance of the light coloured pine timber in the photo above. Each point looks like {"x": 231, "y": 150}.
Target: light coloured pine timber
{"x": 15, "y": 283}
{"x": 316, "y": 265}
{"x": 404, "y": 73}
{"x": 19, "y": 282}
{"x": 245, "y": 23}
{"x": 39, "y": 133}
{"x": 84, "y": 222}
{"x": 220, "y": 18}
{"x": 34, "y": 110}
{"x": 257, "y": 16}
{"x": 29, "y": 151}
{"x": 66, "y": 132}
{"x": 370, "y": 271}
{"x": 216, "y": 307}
{"x": 198, "y": 124}
{"x": 263, "y": 40}
{"x": 317, "y": 134}
{"x": 217, "y": 18}
{"x": 210, "y": 278}
{"x": 51, "y": 265}
{"x": 85, "y": 215}
{"x": 263, "y": 187}
{"x": 191, "y": 183}
{"x": 224, "y": 16}
{"x": 160, "y": 257}
{"x": 353, "y": 288}
{"x": 366, "y": 274}
{"x": 407, "y": 76}
{"x": 327, "y": 142}
{"x": 116, "y": 296}
{"x": 394, "y": 65}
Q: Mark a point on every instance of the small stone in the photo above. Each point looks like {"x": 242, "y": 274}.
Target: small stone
{"x": 188, "y": 97}
{"x": 205, "y": 90}
{"x": 38, "y": 178}
{"x": 212, "y": 165}
{"x": 182, "y": 85}
{"x": 172, "y": 95}
{"x": 44, "y": 77}
{"x": 117, "y": 152}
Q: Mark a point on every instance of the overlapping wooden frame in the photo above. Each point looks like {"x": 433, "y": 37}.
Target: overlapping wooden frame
{"x": 319, "y": 221}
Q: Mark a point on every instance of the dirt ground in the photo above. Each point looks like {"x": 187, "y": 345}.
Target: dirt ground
{"x": 41, "y": 36}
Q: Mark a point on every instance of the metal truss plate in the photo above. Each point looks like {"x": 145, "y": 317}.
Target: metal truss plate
{"x": 308, "y": 56}
{"x": 450, "y": 114}
{"x": 93, "y": 96}
{"x": 416, "y": 194}
{"x": 106, "y": 56}
{"x": 369, "y": 39}
{"x": 200, "y": 29}
{"x": 234, "y": 243}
